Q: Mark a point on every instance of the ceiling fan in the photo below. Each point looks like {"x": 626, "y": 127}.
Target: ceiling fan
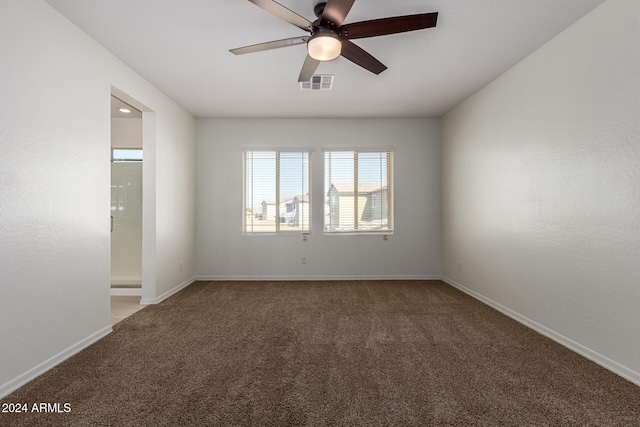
{"x": 329, "y": 38}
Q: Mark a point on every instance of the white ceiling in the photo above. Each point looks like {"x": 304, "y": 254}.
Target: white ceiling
{"x": 181, "y": 46}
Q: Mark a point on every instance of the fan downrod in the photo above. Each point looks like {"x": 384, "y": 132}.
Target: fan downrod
{"x": 318, "y": 9}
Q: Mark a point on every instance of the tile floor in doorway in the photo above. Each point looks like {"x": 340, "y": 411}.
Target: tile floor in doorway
{"x": 123, "y": 307}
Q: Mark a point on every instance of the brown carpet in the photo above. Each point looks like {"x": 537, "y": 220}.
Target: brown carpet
{"x": 370, "y": 353}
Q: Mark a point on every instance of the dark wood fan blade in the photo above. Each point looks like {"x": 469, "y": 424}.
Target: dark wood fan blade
{"x": 335, "y": 12}
{"x": 361, "y": 57}
{"x": 385, "y": 26}
{"x": 283, "y": 13}
{"x": 270, "y": 45}
{"x": 308, "y": 68}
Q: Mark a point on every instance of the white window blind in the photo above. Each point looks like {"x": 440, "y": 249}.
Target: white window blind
{"x": 276, "y": 192}
{"x": 358, "y": 191}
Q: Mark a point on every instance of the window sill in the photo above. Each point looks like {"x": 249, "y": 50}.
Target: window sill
{"x": 358, "y": 233}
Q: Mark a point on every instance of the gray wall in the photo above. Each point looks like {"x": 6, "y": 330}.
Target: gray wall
{"x": 55, "y": 188}
{"x": 541, "y": 195}
{"x": 223, "y": 251}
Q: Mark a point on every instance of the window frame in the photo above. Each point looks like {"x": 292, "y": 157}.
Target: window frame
{"x": 278, "y": 229}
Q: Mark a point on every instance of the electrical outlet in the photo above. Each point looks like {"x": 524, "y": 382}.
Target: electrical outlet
{"x": 304, "y": 260}
{"x": 181, "y": 266}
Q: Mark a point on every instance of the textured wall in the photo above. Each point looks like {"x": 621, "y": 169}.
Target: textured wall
{"x": 541, "y": 173}
{"x": 413, "y": 250}
{"x": 54, "y": 188}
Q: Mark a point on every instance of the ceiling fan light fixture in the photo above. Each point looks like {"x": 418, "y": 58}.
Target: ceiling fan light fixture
{"x": 324, "y": 45}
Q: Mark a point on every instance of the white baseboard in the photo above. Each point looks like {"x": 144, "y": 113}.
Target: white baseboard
{"x": 43, "y": 367}
{"x": 592, "y": 355}
{"x": 312, "y": 278}
{"x": 164, "y": 296}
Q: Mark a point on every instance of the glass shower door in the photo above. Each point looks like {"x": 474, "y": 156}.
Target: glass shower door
{"x": 126, "y": 223}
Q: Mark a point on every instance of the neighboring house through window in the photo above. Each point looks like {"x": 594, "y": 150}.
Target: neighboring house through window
{"x": 358, "y": 191}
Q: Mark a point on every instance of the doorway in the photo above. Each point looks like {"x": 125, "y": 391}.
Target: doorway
{"x": 126, "y": 209}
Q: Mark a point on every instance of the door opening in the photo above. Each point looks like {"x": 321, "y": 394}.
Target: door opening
{"x": 126, "y": 209}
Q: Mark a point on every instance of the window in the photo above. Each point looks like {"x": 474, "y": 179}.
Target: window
{"x": 276, "y": 192}
{"x": 126, "y": 155}
{"x": 358, "y": 191}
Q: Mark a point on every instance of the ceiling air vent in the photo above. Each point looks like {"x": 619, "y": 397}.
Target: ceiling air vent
{"x": 318, "y": 82}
